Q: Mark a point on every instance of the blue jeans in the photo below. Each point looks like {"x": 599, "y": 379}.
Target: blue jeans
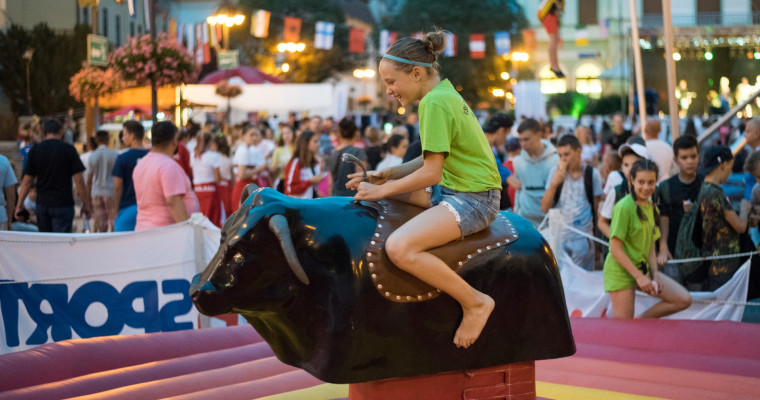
{"x": 126, "y": 220}
{"x": 474, "y": 211}
{"x": 55, "y": 219}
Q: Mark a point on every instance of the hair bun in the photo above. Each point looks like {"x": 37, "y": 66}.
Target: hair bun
{"x": 435, "y": 42}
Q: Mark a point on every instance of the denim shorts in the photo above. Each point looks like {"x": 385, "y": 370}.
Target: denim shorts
{"x": 474, "y": 211}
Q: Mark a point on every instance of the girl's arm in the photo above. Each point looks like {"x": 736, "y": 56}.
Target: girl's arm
{"x": 217, "y": 175}
{"x": 643, "y": 281}
{"x": 382, "y": 176}
{"x": 429, "y": 174}
{"x": 654, "y": 268}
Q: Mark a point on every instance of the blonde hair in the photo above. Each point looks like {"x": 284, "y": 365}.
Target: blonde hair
{"x": 425, "y": 50}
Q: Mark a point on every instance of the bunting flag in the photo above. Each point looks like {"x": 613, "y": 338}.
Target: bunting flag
{"x": 190, "y": 38}
{"x": 323, "y": 39}
{"x": 477, "y": 45}
{"x": 417, "y": 35}
{"x": 214, "y": 41}
{"x": 604, "y": 27}
{"x": 219, "y": 34}
{"x": 199, "y": 44}
{"x": 292, "y": 29}
{"x": 181, "y": 33}
{"x": 529, "y": 39}
{"x": 356, "y": 41}
{"x": 581, "y": 37}
{"x": 206, "y": 47}
{"x": 260, "y": 23}
{"x": 451, "y": 45}
{"x": 503, "y": 43}
{"x": 132, "y": 9}
{"x": 385, "y": 41}
{"x": 172, "y": 28}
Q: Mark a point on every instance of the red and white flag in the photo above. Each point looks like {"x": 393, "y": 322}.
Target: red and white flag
{"x": 477, "y": 45}
{"x": 292, "y": 32}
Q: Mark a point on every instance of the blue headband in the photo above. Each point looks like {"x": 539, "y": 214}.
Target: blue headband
{"x": 405, "y": 61}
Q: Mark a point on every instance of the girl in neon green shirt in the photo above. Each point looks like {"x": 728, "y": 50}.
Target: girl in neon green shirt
{"x": 456, "y": 178}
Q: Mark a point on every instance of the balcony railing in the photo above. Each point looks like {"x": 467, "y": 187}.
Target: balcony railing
{"x": 703, "y": 19}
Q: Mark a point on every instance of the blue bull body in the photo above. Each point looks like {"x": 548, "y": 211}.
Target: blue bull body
{"x": 341, "y": 329}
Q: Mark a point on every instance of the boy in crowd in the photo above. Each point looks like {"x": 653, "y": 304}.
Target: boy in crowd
{"x": 676, "y": 195}
{"x": 532, "y": 167}
{"x": 721, "y": 226}
{"x": 574, "y": 188}
{"x": 629, "y": 154}
{"x": 124, "y": 201}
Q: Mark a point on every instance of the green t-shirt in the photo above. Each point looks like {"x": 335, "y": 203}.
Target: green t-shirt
{"x": 637, "y": 236}
{"x": 448, "y": 125}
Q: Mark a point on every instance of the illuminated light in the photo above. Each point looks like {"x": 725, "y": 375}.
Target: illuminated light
{"x": 401, "y": 110}
{"x": 301, "y": 47}
{"x": 211, "y": 20}
{"x": 757, "y": 55}
{"x": 229, "y": 22}
{"x": 359, "y": 73}
{"x": 369, "y": 73}
{"x": 498, "y": 92}
{"x": 459, "y": 88}
{"x": 510, "y": 96}
{"x": 239, "y": 19}
{"x": 285, "y": 67}
{"x": 708, "y": 55}
{"x": 677, "y": 56}
{"x": 749, "y": 55}
{"x": 221, "y": 19}
{"x": 505, "y": 76}
{"x": 282, "y": 47}
{"x": 292, "y": 47}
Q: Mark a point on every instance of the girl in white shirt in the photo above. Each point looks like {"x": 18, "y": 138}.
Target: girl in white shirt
{"x": 205, "y": 163}
{"x": 249, "y": 162}
{"x": 225, "y": 175}
{"x": 395, "y": 150}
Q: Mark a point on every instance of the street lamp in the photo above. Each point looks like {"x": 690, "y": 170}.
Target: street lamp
{"x": 362, "y": 73}
{"x": 28, "y": 57}
{"x": 227, "y": 20}
{"x": 291, "y": 47}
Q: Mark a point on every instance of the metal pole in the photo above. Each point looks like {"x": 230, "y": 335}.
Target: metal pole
{"x": 726, "y": 117}
{"x": 670, "y": 64}
{"x": 153, "y": 89}
{"x": 637, "y": 63}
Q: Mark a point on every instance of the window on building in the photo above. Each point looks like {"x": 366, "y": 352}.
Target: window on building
{"x": 131, "y": 28}
{"x": 587, "y": 80}
{"x": 550, "y": 84}
{"x": 104, "y": 24}
{"x": 587, "y": 13}
{"x": 139, "y": 30}
{"x": 708, "y": 12}
{"x": 85, "y": 15}
{"x": 117, "y": 27}
{"x": 755, "y": 12}
{"x": 652, "y": 7}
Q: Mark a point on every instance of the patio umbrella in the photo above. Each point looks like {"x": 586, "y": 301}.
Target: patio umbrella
{"x": 248, "y": 74}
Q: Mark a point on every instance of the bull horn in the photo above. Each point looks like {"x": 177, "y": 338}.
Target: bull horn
{"x": 249, "y": 188}
{"x": 278, "y": 224}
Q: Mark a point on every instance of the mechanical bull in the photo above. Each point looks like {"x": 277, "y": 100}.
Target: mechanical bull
{"x": 313, "y": 279}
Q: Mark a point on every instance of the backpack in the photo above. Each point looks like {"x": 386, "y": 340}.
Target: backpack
{"x": 689, "y": 239}
{"x": 588, "y": 184}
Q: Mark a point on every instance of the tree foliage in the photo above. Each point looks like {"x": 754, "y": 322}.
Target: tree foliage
{"x": 57, "y": 57}
{"x": 463, "y": 17}
{"x": 310, "y": 66}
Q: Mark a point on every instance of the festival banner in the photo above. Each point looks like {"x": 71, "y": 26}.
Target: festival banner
{"x": 451, "y": 45}
{"x": 55, "y": 287}
{"x": 323, "y": 38}
{"x": 477, "y": 45}
{"x": 292, "y": 29}
{"x": 260, "y": 23}
{"x": 503, "y": 43}
{"x": 356, "y": 40}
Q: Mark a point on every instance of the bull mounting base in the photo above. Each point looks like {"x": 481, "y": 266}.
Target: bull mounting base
{"x": 516, "y": 381}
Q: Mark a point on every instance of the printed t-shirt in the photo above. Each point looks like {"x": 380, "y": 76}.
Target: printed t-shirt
{"x": 637, "y": 236}
{"x": 203, "y": 167}
{"x": 448, "y": 125}
{"x": 573, "y": 201}
{"x": 157, "y": 177}
{"x": 101, "y": 163}
{"x": 54, "y": 162}
{"x": 248, "y": 156}
{"x": 123, "y": 168}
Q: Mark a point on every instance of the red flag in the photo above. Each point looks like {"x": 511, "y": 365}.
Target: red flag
{"x": 292, "y": 31}
{"x": 529, "y": 39}
{"x": 356, "y": 40}
{"x": 477, "y": 45}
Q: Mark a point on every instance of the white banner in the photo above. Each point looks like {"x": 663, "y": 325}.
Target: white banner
{"x": 56, "y": 286}
{"x": 585, "y": 295}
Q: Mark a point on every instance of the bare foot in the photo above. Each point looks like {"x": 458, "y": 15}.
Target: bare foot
{"x": 473, "y": 321}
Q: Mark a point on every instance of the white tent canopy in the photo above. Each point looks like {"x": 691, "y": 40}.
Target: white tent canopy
{"x": 316, "y": 98}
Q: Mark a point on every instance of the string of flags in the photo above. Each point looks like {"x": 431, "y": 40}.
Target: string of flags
{"x": 201, "y": 37}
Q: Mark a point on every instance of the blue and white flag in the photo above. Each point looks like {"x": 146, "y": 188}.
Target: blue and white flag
{"x": 451, "y": 45}
{"x": 503, "y": 43}
{"x": 148, "y": 14}
{"x": 324, "y": 35}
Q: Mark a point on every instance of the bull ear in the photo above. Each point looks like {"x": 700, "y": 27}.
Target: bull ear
{"x": 250, "y": 188}
{"x": 278, "y": 224}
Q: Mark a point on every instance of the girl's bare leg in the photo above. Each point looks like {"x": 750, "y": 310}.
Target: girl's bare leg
{"x": 674, "y": 299}
{"x": 622, "y": 303}
{"x": 407, "y": 246}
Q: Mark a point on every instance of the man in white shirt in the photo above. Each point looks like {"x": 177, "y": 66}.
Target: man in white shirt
{"x": 660, "y": 152}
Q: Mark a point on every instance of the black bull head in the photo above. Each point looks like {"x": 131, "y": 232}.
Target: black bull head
{"x": 295, "y": 269}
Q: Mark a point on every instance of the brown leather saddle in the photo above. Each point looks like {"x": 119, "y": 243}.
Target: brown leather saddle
{"x": 402, "y": 287}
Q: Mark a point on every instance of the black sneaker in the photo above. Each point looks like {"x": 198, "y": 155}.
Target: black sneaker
{"x": 558, "y": 73}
